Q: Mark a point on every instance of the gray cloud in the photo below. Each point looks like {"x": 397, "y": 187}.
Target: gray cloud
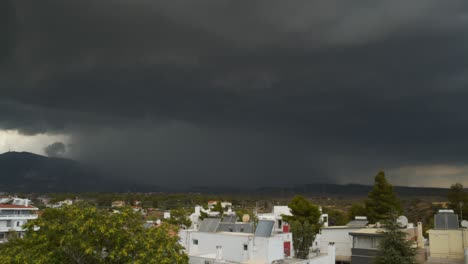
{"x": 56, "y": 149}
{"x": 212, "y": 91}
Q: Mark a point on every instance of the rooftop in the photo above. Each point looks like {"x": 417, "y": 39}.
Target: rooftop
{"x": 368, "y": 231}
{"x": 12, "y": 206}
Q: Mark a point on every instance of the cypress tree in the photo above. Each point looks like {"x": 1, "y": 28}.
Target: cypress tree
{"x": 382, "y": 203}
{"x": 394, "y": 248}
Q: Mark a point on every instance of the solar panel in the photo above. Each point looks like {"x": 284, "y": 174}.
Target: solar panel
{"x": 446, "y": 221}
{"x": 264, "y": 228}
{"x": 235, "y": 227}
{"x": 229, "y": 219}
{"x": 209, "y": 225}
{"x": 357, "y": 223}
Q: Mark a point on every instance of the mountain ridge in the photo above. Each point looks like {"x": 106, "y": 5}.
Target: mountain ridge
{"x": 29, "y": 172}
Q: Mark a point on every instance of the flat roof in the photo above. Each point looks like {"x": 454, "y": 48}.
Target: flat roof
{"x": 235, "y": 234}
{"x": 368, "y": 231}
{"x": 19, "y": 207}
{"x": 342, "y": 227}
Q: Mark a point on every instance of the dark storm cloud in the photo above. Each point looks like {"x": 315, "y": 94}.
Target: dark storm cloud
{"x": 55, "y": 149}
{"x": 259, "y": 89}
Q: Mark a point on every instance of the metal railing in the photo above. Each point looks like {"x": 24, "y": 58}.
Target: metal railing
{"x": 13, "y": 216}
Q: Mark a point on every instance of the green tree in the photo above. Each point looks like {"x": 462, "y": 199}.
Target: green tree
{"x": 218, "y": 208}
{"x": 356, "y": 209}
{"x": 304, "y": 223}
{"x": 86, "y": 235}
{"x": 394, "y": 248}
{"x": 240, "y": 212}
{"x": 458, "y": 200}
{"x": 179, "y": 217}
{"x": 336, "y": 217}
{"x": 382, "y": 202}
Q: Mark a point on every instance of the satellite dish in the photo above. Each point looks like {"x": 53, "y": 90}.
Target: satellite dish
{"x": 402, "y": 221}
{"x": 158, "y": 222}
{"x": 246, "y": 218}
{"x": 464, "y": 224}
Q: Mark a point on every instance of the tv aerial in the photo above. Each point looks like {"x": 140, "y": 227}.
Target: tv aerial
{"x": 402, "y": 221}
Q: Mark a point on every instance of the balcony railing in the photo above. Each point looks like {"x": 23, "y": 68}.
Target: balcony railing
{"x": 13, "y": 216}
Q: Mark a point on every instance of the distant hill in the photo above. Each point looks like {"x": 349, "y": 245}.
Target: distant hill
{"x": 28, "y": 172}
{"x": 324, "y": 190}
{"x": 355, "y": 190}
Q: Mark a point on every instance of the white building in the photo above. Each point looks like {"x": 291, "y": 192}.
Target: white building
{"x": 340, "y": 236}
{"x": 66, "y": 202}
{"x": 230, "y": 242}
{"x": 282, "y": 228}
{"x": 14, "y": 213}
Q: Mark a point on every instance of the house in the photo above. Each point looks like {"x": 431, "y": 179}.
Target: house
{"x": 226, "y": 241}
{"x": 282, "y": 228}
{"x": 366, "y": 242}
{"x": 118, "y": 204}
{"x": 199, "y": 210}
{"x": 14, "y": 213}
{"x": 448, "y": 243}
{"x": 66, "y": 202}
{"x": 340, "y": 237}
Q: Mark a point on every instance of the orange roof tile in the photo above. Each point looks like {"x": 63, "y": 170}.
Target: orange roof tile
{"x": 13, "y": 206}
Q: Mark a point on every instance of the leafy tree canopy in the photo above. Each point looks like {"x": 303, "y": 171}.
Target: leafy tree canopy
{"x": 458, "y": 200}
{"x": 336, "y": 217}
{"x": 304, "y": 223}
{"x": 86, "y": 235}
{"x": 179, "y": 217}
{"x": 357, "y": 209}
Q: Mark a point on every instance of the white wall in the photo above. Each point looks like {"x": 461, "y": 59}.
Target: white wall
{"x": 232, "y": 245}
{"x": 259, "y": 249}
{"x": 267, "y": 249}
{"x": 340, "y": 236}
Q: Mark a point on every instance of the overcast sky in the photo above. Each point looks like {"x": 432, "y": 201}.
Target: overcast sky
{"x": 240, "y": 92}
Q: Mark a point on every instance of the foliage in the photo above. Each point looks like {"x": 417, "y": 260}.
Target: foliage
{"x": 336, "y": 217}
{"x": 382, "y": 202}
{"x": 357, "y": 209}
{"x": 304, "y": 223}
{"x": 179, "y": 217}
{"x": 457, "y": 196}
{"x": 86, "y": 235}
{"x": 240, "y": 212}
{"x": 218, "y": 208}
{"x": 418, "y": 210}
{"x": 394, "y": 247}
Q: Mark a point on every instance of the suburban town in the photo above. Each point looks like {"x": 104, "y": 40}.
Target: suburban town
{"x": 233, "y": 132}
{"x": 218, "y": 231}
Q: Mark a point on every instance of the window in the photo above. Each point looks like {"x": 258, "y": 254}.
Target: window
{"x": 230, "y": 229}
{"x": 17, "y": 223}
{"x": 246, "y": 247}
{"x": 242, "y": 229}
{"x": 195, "y": 241}
{"x": 366, "y": 242}
{"x": 280, "y": 223}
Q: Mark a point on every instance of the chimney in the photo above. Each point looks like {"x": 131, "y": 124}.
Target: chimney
{"x": 420, "y": 237}
{"x": 331, "y": 253}
{"x": 219, "y": 253}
